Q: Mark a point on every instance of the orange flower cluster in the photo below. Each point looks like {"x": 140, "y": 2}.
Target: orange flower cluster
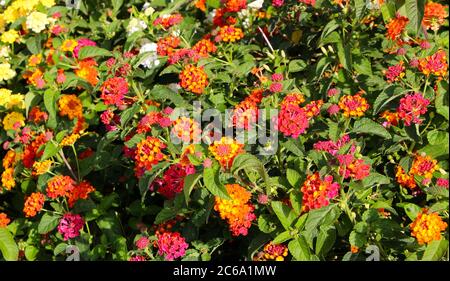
{"x": 148, "y": 153}
{"x": 391, "y": 118}
{"x": 33, "y": 204}
{"x": 318, "y": 192}
{"x": 313, "y": 108}
{"x": 193, "y": 79}
{"x": 166, "y": 46}
{"x": 229, "y": 33}
{"x": 68, "y": 45}
{"x": 424, "y": 166}
{"x": 226, "y": 150}
{"x": 435, "y": 64}
{"x": 272, "y": 252}
{"x": 427, "y": 227}
{"x": 59, "y": 186}
{"x": 80, "y": 191}
{"x": 34, "y": 60}
{"x": 395, "y": 27}
{"x": 189, "y": 150}
{"x": 8, "y": 163}
{"x": 70, "y": 106}
{"x": 87, "y": 70}
{"x": 237, "y": 211}
{"x": 246, "y": 112}
{"x": 4, "y": 220}
{"x": 353, "y": 106}
{"x": 204, "y": 47}
{"x": 293, "y": 98}
{"x": 36, "y": 115}
{"x": 434, "y": 15}
{"x": 200, "y": 4}
{"x": 187, "y": 129}
{"x": 404, "y": 179}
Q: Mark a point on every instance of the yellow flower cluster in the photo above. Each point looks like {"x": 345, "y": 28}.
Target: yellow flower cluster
{"x": 226, "y": 150}
{"x": 427, "y": 227}
{"x": 21, "y": 8}
{"x": 40, "y": 168}
{"x": 9, "y": 100}
{"x": 6, "y": 73}
{"x": 13, "y": 121}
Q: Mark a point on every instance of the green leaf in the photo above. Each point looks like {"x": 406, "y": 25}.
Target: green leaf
{"x": 437, "y": 137}
{"x": 34, "y": 44}
{"x": 213, "y": 184}
{"x": 293, "y": 177}
{"x": 325, "y": 240}
{"x": 299, "y": 249}
{"x": 357, "y": 239}
{"x": 8, "y": 246}
{"x": 363, "y": 66}
{"x": 50, "y": 150}
{"x": 435, "y": 250}
{"x": 265, "y": 223}
{"x": 367, "y": 126}
{"x": 282, "y": 237}
{"x": 284, "y": 213}
{"x": 323, "y": 216}
{"x": 297, "y": 65}
{"x": 296, "y": 201}
{"x": 249, "y": 163}
{"x": 388, "y": 11}
{"x": 435, "y": 151}
{"x": 374, "y": 179}
{"x": 189, "y": 183}
{"x": 415, "y": 10}
{"x": 31, "y": 99}
{"x": 93, "y": 51}
{"x": 165, "y": 215}
{"x": 128, "y": 113}
{"x": 48, "y": 223}
{"x": 50, "y": 100}
{"x": 31, "y": 252}
{"x": 344, "y": 54}
{"x": 411, "y": 210}
{"x": 360, "y": 7}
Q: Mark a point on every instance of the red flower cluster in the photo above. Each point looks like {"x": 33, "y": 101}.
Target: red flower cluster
{"x": 32, "y": 150}
{"x": 167, "y": 45}
{"x": 317, "y": 193}
{"x": 148, "y": 153}
{"x": 411, "y": 108}
{"x": 114, "y": 91}
{"x": 352, "y": 167}
{"x": 172, "y": 181}
{"x": 292, "y": 120}
{"x": 167, "y": 21}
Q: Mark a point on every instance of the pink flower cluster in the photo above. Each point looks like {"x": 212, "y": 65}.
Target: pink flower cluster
{"x": 412, "y": 107}
{"x": 331, "y": 146}
{"x": 70, "y": 226}
{"x": 171, "y": 245}
{"x": 292, "y": 120}
{"x": 395, "y": 72}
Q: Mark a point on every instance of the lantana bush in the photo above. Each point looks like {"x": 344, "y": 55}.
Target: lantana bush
{"x": 224, "y": 130}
